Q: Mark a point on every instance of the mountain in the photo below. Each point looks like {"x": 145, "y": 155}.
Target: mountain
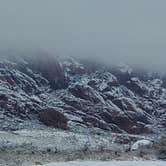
{"x": 41, "y": 90}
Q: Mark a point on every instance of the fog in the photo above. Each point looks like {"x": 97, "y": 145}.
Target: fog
{"x": 130, "y": 31}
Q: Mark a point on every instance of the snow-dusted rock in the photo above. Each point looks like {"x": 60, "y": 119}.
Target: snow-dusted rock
{"x": 141, "y": 144}
{"x": 118, "y": 100}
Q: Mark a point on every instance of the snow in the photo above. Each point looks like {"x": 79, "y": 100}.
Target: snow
{"x": 62, "y": 141}
{"x": 124, "y": 68}
{"x": 111, "y": 163}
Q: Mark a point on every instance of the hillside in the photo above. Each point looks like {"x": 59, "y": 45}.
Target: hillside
{"x": 79, "y": 96}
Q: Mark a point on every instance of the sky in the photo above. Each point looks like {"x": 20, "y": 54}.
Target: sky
{"x": 130, "y": 31}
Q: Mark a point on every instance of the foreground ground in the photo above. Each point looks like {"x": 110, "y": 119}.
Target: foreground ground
{"x": 112, "y": 163}
{"x": 39, "y": 147}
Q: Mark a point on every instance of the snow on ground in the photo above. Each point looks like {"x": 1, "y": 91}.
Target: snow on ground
{"x": 111, "y": 163}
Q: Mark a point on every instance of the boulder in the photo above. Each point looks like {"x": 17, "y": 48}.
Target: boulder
{"x": 141, "y": 144}
{"x": 53, "y": 118}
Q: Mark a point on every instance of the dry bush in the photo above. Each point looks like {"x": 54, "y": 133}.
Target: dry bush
{"x": 160, "y": 146}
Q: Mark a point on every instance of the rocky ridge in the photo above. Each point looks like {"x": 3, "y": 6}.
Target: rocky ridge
{"x": 76, "y": 96}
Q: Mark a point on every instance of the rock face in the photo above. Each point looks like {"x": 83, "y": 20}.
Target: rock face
{"x": 69, "y": 95}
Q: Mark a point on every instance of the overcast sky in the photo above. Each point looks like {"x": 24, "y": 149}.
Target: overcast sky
{"x": 129, "y": 30}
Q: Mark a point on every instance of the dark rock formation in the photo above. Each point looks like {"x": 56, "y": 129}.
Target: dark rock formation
{"x": 51, "y": 117}
{"x": 49, "y": 67}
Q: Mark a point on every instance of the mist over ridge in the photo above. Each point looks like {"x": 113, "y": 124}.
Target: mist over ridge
{"x": 113, "y": 31}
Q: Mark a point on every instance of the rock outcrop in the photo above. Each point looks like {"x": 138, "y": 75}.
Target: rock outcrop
{"x": 53, "y": 118}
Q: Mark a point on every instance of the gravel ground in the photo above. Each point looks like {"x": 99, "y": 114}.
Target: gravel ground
{"x": 111, "y": 163}
{"x": 36, "y": 147}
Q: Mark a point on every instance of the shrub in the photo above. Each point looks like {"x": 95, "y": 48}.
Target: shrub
{"x": 160, "y": 146}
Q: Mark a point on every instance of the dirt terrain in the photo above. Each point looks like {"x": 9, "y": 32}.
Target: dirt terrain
{"x": 27, "y": 147}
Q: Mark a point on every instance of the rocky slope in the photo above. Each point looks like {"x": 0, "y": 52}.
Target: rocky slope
{"x": 41, "y": 89}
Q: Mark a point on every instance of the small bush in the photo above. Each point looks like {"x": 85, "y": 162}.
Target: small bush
{"x": 160, "y": 146}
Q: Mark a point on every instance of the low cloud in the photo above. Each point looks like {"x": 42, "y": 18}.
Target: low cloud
{"x": 112, "y": 31}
